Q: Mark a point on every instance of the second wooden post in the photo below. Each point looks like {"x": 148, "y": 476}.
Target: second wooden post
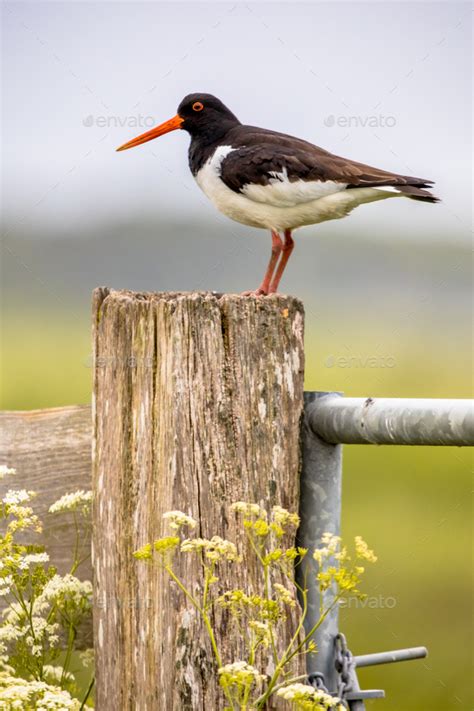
{"x": 197, "y": 404}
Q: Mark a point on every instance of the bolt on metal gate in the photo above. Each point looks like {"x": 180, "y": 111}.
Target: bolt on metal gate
{"x": 330, "y": 420}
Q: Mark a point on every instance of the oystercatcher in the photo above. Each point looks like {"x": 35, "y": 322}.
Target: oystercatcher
{"x": 272, "y": 180}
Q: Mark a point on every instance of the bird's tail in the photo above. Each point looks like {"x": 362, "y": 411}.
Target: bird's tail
{"x": 416, "y": 192}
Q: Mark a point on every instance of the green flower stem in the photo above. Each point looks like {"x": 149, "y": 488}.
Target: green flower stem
{"x": 207, "y": 577}
{"x": 286, "y": 656}
{"x": 29, "y": 614}
{"x": 267, "y": 591}
{"x": 183, "y": 589}
{"x": 270, "y": 625}
{"x": 206, "y": 620}
{"x": 71, "y": 638}
{"x": 249, "y": 685}
{"x": 316, "y": 626}
{"x": 87, "y": 694}
{"x": 254, "y": 547}
{"x": 75, "y": 562}
{"x": 34, "y": 671}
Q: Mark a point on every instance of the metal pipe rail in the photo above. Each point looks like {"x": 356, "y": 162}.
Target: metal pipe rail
{"x": 339, "y": 420}
{"x": 396, "y": 655}
{"x": 330, "y": 421}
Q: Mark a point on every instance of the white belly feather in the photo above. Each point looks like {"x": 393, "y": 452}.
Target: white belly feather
{"x": 282, "y": 204}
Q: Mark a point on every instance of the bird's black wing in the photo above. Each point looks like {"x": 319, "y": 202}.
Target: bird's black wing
{"x": 262, "y": 158}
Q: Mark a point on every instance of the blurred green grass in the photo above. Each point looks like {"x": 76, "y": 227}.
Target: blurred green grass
{"x": 411, "y": 504}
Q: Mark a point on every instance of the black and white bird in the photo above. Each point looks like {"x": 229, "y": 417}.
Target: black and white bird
{"x": 272, "y": 180}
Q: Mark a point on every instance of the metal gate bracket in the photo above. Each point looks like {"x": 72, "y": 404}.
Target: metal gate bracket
{"x": 369, "y": 694}
{"x": 346, "y": 666}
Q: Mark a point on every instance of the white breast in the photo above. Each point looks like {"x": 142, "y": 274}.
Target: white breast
{"x": 281, "y": 204}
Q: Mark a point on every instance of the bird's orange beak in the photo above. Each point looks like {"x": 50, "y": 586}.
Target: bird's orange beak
{"x": 160, "y": 130}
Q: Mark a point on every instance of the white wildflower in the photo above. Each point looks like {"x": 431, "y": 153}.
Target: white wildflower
{"x": 177, "y": 519}
{"x": 16, "y": 693}
{"x": 292, "y": 690}
{"x": 283, "y": 518}
{"x": 87, "y": 657}
{"x": 331, "y": 540}
{"x": 32, "y": 559}
{"x": 17, "y": 497}
{"x": 248, "y": 509}
{"x": 330, "y": 547}
{"x": 67, "y": 588}
{"x": 58, "y": 699}
{"x": 214, "y": 549}
{"x": 77, "y": 501}
{"x": 320, "y": 554}
{"x": 284, "y": 595}
{"x": 193, "y": 545}
{"x": 305, "y": 694}
{"x": 10, "y": 632}
{"x": 12, "y": 612}
{"x": 5, "y": 585}
{"x": 239, "y": 673}
{"x": 261, "y": 631}
{"x": 55, "y": 674}
{"x": 33, "y": 630}
{"x": 6, "y": 471}
{"x": 220, "y": 548}
{"x": 25, "y": 518}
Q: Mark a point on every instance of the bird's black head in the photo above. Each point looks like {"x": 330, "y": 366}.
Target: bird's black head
{"x": 203, "y": 116}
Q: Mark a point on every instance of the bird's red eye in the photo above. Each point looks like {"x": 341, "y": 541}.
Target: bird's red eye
{"x": 197, "y": 106}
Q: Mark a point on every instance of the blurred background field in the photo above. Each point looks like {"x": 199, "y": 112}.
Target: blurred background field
{"x": 393, "y": 334}
{"x": 387, "y": 292}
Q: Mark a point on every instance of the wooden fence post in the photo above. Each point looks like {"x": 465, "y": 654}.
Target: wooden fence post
{"x": 197, "y": 404}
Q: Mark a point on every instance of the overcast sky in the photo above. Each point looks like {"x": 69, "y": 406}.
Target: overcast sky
{"x": 383, "y": 83}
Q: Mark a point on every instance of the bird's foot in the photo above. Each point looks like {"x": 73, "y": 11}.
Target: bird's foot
{"x": 256, "y": 292}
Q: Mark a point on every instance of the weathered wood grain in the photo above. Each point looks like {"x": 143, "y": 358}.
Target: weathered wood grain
{"x": 197, "y": 403}
{"x": 51, "y": 452}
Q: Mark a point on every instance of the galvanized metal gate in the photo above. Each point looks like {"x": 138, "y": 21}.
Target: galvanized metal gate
{"x": 330, "y": 420}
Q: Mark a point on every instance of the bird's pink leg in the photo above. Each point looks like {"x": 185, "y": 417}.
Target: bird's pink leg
{"x": 277, "y": 248}
{"x": 286, "y": 252}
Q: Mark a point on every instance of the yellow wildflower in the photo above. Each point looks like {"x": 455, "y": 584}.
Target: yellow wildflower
{"x": 167, "y": 543}
{"x": 363, "y": 551}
